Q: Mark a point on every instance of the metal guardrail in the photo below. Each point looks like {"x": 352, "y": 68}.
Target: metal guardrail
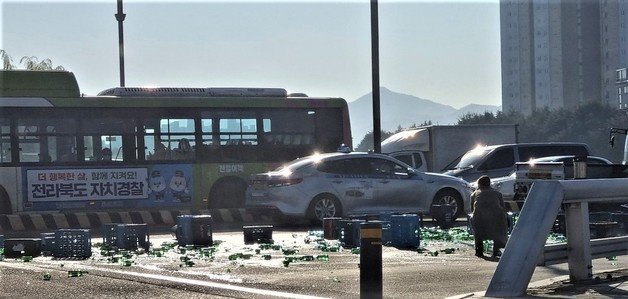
{"x": 527, "y": 241}
{"x": 606, "y": 247}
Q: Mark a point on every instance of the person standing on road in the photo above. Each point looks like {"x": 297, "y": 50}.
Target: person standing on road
{"x": 489, "y": 217}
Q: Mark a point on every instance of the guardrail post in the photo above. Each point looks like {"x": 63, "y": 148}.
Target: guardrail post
{"x": 578, "y": 241}
{"x": 371, "y": 260}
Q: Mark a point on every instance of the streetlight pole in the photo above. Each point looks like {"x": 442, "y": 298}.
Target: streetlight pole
{"x": 377, "y": 131}
{"x": 120, "y": 17}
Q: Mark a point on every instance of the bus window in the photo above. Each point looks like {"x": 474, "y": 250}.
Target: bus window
{"x": 207, "y": 130}
{"x": 64, "y": 148}
{"x": 45, "y": 139}
{"x": 328, "y": 133}
{"x": 238, "y": 131}
{"x": 179, "y": 135}
{"x": 5, "y": 140}
{"x": 169, "y": 139}
{"x": 288, "y": 133}
{"x": 155, "y": 148}
{"x": 103, "y": 140}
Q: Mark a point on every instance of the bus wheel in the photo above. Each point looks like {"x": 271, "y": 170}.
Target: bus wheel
{"x": 5, "y": 202}
{"x": 227, "y": 192}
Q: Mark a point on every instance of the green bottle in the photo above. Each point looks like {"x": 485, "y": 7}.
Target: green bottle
{"x": 322, "y": 257}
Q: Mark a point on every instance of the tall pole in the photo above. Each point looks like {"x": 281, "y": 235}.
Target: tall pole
{"x": 120, "y": 17}
{"x": 377, "y": 131}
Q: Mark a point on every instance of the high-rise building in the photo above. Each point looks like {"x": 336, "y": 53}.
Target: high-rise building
{"x": 621, "y": 74}
{"x": 560, "y": 53}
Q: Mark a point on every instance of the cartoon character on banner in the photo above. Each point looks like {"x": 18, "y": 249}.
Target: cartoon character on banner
{"x": 179, "y": 186}
{"x": 157, "y": 185}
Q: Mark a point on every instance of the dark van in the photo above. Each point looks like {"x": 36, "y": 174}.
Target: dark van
{"x": 499, "y": 160}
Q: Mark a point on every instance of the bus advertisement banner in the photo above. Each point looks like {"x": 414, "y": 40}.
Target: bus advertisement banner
{"x": 167, "y": 185}
{"x": 86, "y": 184}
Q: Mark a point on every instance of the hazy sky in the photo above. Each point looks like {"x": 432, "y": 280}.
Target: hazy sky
{"x": 447, "y": 52}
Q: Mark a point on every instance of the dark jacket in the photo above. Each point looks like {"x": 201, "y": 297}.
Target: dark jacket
{"x": 489, "y": 215}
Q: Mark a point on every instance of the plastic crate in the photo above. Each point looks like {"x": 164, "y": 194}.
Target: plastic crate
{"x": 443, "y": 215}
{"x": 595, "y": 217}
{"x": 73, "y": 243}
{"x": 126, "y": 236}
{"x": 135, "y": 236}
{"x": 622, "y": 221}
{"x": 48, "y": 243}
{"x": 194, "y": 230}
{"x": 405, "y": 230}
{"x": 602, "y": 225}
{"x": 18, "y": 247}
{"x": 349, "y": 235}
{"x": 110, "y": 234}
{"x": 331, "y": 228}
{"x": 258, "y": 234}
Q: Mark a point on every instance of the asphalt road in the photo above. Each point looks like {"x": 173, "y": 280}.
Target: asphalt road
{"x": 406, "y": 273}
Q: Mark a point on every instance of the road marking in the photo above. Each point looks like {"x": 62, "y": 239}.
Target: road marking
{"x": 216, "y": 285}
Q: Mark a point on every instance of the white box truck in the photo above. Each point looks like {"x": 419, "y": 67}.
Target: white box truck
{"x": 432, "y": 148}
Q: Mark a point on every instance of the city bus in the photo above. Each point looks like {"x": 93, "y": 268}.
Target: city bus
{"x": 149, "y": 148}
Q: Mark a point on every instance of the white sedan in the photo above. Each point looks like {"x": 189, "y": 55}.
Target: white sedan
{"x": 342, "y": 184}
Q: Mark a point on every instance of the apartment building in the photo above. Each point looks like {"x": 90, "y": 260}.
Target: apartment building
{"x": 561, "y": 53}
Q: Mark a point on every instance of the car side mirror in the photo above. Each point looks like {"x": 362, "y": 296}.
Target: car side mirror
{"x": 411, "y": 172}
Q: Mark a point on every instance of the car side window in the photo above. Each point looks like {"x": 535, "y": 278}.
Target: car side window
{"x": 380, "y": 166}
{"x": 407, "y": 158}
{"x": 334, "y": 166}
{"x": 386, "y": 167}
{"x": 418, "y": 162}
{"x": 500, "y": 158}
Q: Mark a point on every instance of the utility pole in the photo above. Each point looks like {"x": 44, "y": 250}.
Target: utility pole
{"x": 377, "y": 130}
{"x": 120, "y": 17}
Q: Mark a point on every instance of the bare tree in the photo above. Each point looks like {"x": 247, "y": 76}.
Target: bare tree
{"x": 32, "y": 63}
{"x": 6, "y": 60}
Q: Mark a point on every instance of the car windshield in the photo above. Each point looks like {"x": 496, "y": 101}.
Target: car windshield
{"x": 469, "y": 159}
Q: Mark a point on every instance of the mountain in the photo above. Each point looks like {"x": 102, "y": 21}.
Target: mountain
{"x": 397, "y": 109}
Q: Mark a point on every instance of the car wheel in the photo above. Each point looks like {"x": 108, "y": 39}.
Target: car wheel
{"x": 451, "y": 198}
{"x": 324, "y": 206}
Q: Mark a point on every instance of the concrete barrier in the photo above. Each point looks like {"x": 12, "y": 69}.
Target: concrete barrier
{"x": 51, "y": 221}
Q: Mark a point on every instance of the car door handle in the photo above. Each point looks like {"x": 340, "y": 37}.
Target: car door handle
{"x": 337, "y": 182}
{"x": 384, "y": 182}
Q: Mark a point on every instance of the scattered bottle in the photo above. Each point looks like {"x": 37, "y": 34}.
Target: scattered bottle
{"x": 322, "y": 257}
{"x": 76, "y": 273}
